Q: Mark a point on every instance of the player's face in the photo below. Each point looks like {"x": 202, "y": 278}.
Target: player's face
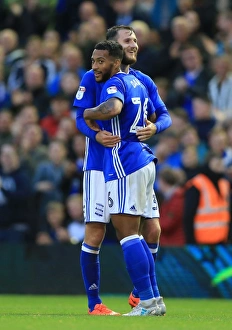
{"x": 129, "y": 43}
{"x": 103, "y": 65}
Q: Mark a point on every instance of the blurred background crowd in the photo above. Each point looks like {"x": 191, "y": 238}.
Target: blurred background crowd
{"x": 185, "y": 46}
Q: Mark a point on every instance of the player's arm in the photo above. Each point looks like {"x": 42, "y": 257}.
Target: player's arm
{"x": 150, "y": 129}
{"x": 161, "y": 119}
{"x": 104, "y": 111}
{"x": 92, "y": 131}
{"x": 82, "y": 125}
{"x": 85, "y": 98}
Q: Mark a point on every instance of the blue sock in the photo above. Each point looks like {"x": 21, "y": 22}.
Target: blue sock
{"x": 90, "y": 268}
{"x": 137, "y": 265}
{"x": 153, "y": 249}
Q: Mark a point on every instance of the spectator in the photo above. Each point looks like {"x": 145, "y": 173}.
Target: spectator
{"x": 207, "y": 204}
{"x": 59, "y": 108}
{"x": 170, "y": 139}
{"x": 171, "y": 207}
{"x": 53, "y": 229}
{"x": 163, "y": 87}
{"x": 151, "y": 57}
{"x": 66, "y": 131}
{"x": 69, "y": 84}
{"x": 189, "y": 137}
{"x": 51, "y": 46}
{"x": 195, "y": 27}
{"x": 76, "y": 226}
{"x": 207, "y": 11}
{"x": 220, "y": 87}
{"x": 162, "y": 13}
{"x": 33, "y": 55}
{"x": 126, "y": 11}
{"x": 28, "y": 18}
{"x": 203, "y": 116}
{"x": 49, "y": 175}
{"x": 87, "y": 10}
{"x": 10, "y": 42}
{"x": 31, "y": 150}
{"x": 4, "y": 92}
{"x": 90, "y": 33}
{"x": 28, "y": 114}
{"x": 66, "y": 16}
{"x": 15, "y": 197}
{"x": 218, "y": 141}
{"x": 191, "y": 80}
{"x": 224, "y": 33}
{"x": 190, "y": 163}
{"x": 6, "y": 120}
{"x": 181, "y": 37}
{"x": 73, "y": 181}
{"x": 33, "y": 91}
{"x": 179, "y": 119}
{"x": 228, "y": 152}
{"x": 71, "y": 60}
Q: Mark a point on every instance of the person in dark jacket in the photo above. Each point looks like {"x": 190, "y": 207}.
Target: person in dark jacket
{"x": 15, "y": 195}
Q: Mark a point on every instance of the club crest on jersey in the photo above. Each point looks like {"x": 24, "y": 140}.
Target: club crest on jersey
{"x": 80, "y": 92}
{"x": 112, "y": 90}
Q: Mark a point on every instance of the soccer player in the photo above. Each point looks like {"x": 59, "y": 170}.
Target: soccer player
{"x": 96, "y": 213}
{"x": 129, "y": 167}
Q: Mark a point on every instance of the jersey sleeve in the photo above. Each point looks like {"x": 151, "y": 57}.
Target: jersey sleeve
{"x": 85, "y": 98}
{"x": 113, "y": 88}
{"x": 82, "y": 126}
{"x": 86, "y": 94}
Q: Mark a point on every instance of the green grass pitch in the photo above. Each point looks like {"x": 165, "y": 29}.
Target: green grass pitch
{"x": 29, "y": 312}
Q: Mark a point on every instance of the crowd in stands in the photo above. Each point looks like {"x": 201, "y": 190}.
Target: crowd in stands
{"x": 185, "y": 46}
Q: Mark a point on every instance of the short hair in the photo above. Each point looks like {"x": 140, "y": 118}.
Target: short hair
{"x": 113, "y": 47}
{"x": 112, "y": 32}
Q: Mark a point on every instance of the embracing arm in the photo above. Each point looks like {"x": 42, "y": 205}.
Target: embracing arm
{"x": 82, "y": 125}
{"x": 163, "y": 120}
{"x": 104, "y": 111}
{"x": 101, "y": 136}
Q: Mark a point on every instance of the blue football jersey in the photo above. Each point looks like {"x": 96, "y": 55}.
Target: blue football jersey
{"x": 88, "y": 96}
{"x": 130, "y": 154}
{"x": 151, "y": 87}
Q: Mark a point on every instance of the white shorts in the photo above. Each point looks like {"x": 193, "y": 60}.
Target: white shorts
{"x": 134, "y": 194}
{"x": 95, "y": 201}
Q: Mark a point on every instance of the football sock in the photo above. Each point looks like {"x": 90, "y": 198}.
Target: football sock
{"x": 90, "y": 267}
{"x": 137, "y": 265}
{"x": 153, "y": 247}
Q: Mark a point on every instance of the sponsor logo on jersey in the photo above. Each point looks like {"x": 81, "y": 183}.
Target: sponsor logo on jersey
{"x": 80, "y": 92}
{"x": 112, "y": 90}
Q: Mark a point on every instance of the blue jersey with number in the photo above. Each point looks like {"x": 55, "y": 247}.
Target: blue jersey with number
{"x": 151, "y": 87}
{"x": 130, "y": 154}
{"x": 88, "y": 96}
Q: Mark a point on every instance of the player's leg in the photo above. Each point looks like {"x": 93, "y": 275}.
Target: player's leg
{"x": 151, "y": 232}
{"x": 150, "y": 229}
{"x": 125, "y": 212}
{"x": 96, "y": 216}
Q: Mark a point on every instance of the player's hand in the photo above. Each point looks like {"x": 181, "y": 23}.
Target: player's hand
{"x": 92, "y": 124}
{"x": 147, "y": 132}
{"x": 107, "y": 139}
